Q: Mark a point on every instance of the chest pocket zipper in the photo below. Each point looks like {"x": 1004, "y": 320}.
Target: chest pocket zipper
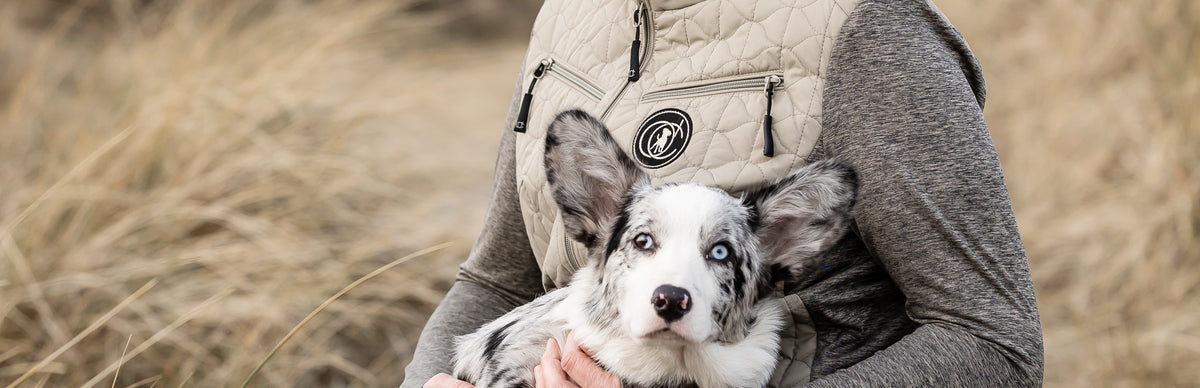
{"x": 575, "y": 79}
{"x": 752, "y": 83}
{"x": 558, "y": 70}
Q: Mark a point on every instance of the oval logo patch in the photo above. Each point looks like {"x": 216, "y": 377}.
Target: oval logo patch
{"x": 662, "y": 137}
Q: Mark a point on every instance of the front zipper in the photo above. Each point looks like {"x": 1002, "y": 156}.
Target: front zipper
{"x": 641, "y": 18}
{"x": 635, "y": 64}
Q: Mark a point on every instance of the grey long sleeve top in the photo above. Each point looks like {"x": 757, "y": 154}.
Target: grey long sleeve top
{"x": 934, "y": 290}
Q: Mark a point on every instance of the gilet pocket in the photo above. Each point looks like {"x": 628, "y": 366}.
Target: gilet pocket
{"x": 797, "y": 346}
{"x": 764, "y": 83}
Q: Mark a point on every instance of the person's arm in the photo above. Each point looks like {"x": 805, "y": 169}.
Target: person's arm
{"x": 903, "y": 105}
{"x": 500, "y": 274}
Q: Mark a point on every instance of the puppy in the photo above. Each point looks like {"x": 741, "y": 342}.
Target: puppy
{"x": 679, "y": 289}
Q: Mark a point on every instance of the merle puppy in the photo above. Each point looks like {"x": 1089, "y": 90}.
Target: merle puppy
{"x": 680, "y": 285}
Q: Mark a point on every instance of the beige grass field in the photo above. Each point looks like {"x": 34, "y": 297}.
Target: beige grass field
{"x": 246, "y": 160}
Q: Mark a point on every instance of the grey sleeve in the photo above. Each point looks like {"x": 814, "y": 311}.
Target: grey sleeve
{"x": 499, "y": 275}
{"x": 903, "y": 105}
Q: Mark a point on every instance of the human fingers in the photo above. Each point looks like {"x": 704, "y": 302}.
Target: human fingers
{"x": 442, "y": 380}
{"x": 583, "y": 369}
{"x": 552, "y": 371}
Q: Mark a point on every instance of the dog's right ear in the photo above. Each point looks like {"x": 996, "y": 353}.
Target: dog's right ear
{"x": 588, "y": 173}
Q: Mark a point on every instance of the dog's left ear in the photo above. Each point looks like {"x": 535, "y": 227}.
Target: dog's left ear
{"x": 588, "y": 174}
{"x": 802, "y": 215}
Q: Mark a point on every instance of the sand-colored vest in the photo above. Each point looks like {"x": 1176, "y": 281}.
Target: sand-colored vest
{"x": 685, "y": 86}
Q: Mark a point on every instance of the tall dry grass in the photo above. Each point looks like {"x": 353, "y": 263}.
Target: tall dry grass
{"x": 255, "y": 157}
{"x": 262, "y": 153}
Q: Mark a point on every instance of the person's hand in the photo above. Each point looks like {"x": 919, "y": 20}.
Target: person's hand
{"x": 574, "y": 368}
{"x": 442, "y": 380}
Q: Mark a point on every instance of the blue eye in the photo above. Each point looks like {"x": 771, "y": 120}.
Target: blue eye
{"x": 718, "y": 252}
{"x": 644, "y": 242}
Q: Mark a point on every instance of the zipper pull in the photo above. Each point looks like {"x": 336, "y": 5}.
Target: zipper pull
{"x": 523, "y": 114}
{"x": 768, "y": 138}
{"x": 635, "y": 62}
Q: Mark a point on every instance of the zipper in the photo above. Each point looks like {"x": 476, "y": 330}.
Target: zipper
{"x": 574, "y": 78}
{"x": 523, "y": 114}
{"x": 750, "y": 83}
{"x": 571, "y": 77}
{"x": 768, "y": 138}
{"x": 635, "y": 64}
{"x": 641, "y": 18}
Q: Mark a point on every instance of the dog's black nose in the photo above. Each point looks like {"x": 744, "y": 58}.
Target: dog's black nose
{"x": 671, "y": 302}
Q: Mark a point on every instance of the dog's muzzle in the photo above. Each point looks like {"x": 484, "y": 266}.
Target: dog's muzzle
{"x": 671, "y": 302}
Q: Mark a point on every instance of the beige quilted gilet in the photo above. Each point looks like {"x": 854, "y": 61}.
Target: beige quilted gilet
{"x": 711, "y": 60}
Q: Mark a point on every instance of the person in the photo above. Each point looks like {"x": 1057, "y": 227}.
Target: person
{"x": 930, "y": 288}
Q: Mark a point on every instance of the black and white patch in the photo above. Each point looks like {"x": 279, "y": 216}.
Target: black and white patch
{"x": 662, "y": 137}
{"x": 679, "y": 289}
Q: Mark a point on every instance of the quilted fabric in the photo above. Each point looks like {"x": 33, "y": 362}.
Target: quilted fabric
{"x": 690, "y": 42}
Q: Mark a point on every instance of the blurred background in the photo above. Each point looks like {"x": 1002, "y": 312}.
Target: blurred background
{"x": 256, "y": 157}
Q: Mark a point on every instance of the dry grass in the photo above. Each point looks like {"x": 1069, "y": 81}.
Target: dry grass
{"x": 277, "y": 150}
{"x": 255, "y": 157}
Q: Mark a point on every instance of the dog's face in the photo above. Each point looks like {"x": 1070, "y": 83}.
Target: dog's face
{"x": 685, "y": 262}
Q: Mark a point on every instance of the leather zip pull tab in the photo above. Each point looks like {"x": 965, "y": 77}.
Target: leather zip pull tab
{"x": 635, "y": 61}
{"x": 523, "y": 114}
{"x": 768, "y": 137}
